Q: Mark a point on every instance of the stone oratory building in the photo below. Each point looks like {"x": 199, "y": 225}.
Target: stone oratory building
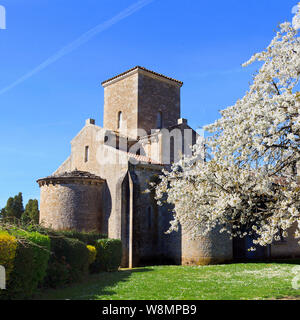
{"x": 102, "y": 184}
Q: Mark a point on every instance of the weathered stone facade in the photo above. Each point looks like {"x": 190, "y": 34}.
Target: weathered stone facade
{"x": 101, "y": 186}
{"x": 140, "y": 95}
{"x": 121, "y": 96}
{"x": 72, "y": 201}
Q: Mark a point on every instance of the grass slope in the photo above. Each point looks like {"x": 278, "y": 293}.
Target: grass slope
{"x": 219, "y": 282}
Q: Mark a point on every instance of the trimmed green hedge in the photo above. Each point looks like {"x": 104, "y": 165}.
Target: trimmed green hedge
{"x": 88, "y": 238}
{"x": 109, "y": 255}
{"x": 30, "y": 264}
{"x": 41, "y": 247}
{"x": 48, "y": 258}
{"x": 8, "y": 247}
{"x": 21, "y": 284}
{"x": 68, "y": 263}
{"x": 58, "y": 273}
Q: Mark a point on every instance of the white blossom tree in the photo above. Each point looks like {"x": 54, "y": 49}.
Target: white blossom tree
{"x": 249, "y": 186}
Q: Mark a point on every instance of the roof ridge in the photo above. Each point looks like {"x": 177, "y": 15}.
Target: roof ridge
{"x": 144, "y": 69}
{"x": 72, "y": 174}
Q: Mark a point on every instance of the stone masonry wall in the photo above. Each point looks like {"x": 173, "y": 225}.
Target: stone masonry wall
{"x": 71, "y": 206}
{"x": 216, "y": 247}
{"x": 110, "y": 170}
{"x": 121, "y": 96}
{"x": 151, "y": 244}
{"x": 157, "y": 95}
{"x": 140, "y": 96}
{"x": 288, "y": 248}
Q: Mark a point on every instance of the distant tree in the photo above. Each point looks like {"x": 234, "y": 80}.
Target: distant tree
{"x": 14, "y": 207}
{"x": 9, "y": 208}
{"x": 18, "y": 206}
{"x": 2, "y": 213}
{"x": 31, "y": 213}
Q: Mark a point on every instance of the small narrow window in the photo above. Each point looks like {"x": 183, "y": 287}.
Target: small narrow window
{"x": 159, "y": 121}
{"x": 119, "y": 119}
{"x": 86, "y": 154}
{"x": 172, "y": 150}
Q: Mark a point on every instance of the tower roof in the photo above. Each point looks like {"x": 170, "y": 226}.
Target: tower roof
{"x": 72, "y": 176}
{"x": 144, "y": 69}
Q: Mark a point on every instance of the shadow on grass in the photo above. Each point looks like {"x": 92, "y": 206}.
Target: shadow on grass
{"x": 93, "y": 287}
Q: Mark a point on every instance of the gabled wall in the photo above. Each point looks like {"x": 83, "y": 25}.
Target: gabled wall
{"x": 103, "y": 166}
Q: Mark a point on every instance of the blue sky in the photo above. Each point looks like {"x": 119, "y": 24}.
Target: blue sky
{"x": 202, "y": 43}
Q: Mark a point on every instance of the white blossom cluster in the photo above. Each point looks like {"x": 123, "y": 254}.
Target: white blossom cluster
{"x": 249, "y": 185}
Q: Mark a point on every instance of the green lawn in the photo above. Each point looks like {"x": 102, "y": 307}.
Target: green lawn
{"x": 232, "y": 281}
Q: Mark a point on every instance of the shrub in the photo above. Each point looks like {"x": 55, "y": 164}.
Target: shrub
{"x": 20, "y": 284}
{"x": 8, "y": 247}
{"x": 31, "y": 263}
{"x": 88, "y": 238}
{"x": 69, "y": 258}
{"x": 42, "y": 230}
{"x": 109, "y": 255}
{"x": 77, "y": 255}
{"x": 41, "y": 248}
{"x": 92, "y": 253}
{"x": 58, "y": 273}
{"x": 72, "y": 255}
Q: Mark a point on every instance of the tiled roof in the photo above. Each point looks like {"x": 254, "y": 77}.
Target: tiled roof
{"x": 142, "y": 158}
{"x": 127, "y": 155}
{"x": 142, "y": 68}
{"x": 76, "y": 174}
{"x": 72, "y": 175}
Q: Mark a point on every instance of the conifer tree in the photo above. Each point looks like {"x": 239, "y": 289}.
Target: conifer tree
{"x": 14, "y": 207}
{"x": 31, "y": 213}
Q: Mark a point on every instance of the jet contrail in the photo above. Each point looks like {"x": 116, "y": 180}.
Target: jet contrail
{"x": 79, "y": 41}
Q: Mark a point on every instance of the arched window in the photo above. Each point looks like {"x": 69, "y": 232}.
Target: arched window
{"x": 86, "y": 154}
{"x": 172, "y": 150}
{"x": 159, "y": 120}
{"x": 119, "y": 119}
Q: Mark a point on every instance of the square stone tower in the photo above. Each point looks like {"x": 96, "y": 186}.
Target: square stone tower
{"x": 140, "y": 99}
